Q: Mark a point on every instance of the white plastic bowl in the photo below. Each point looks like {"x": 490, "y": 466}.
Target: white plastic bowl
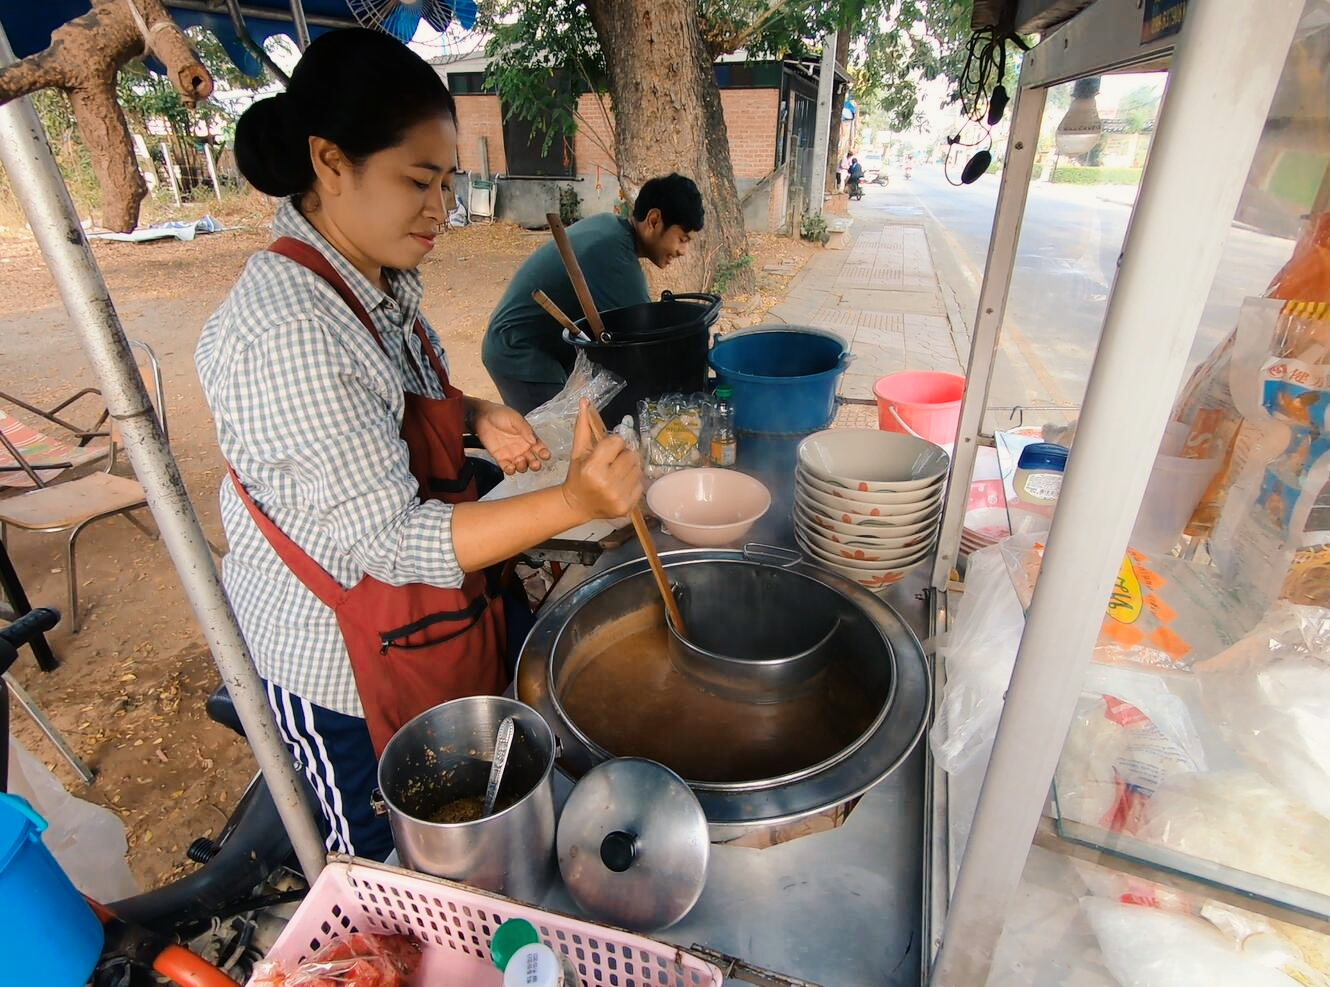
{"x": 847, "y": 513}
{"x": 707, "y": 506}
{"x": 837, "y": 502}
{"x": 875, "y": 581}
{"x": 868, "y": 459}
{"x": 860, "y": 565}
{"x": 846, "y": 534}
{"x": 864, "y": 551}
{"x": 872, "y": 498}
{"x": 891, "y": 527}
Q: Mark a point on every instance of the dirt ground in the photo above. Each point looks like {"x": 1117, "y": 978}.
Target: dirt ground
{"x": 130, "y": 689}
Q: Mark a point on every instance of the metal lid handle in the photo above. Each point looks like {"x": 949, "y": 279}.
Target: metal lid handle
{"x": 618, "y": 850}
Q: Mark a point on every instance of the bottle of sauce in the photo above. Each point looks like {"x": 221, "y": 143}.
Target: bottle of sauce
{"x": 724, "y": 444}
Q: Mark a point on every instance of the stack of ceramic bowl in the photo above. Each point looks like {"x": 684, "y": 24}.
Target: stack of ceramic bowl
{"x": 868, "y": 503}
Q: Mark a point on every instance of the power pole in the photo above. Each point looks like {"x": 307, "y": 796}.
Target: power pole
{"x": 826, "y": 85}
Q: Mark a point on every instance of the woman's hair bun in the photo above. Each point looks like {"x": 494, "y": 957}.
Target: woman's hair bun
{"x": 271, "y": 153}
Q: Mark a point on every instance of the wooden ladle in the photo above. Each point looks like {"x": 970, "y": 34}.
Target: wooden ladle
{"x": 598, "y": 429}
{"x": 648, "y": 545}
{"x": 580, "y": 286}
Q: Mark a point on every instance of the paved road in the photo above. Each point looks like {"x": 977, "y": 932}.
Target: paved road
{"x": 1069, "y": 248}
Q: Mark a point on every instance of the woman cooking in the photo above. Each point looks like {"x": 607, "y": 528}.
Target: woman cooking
{"x": 358, "y": 551}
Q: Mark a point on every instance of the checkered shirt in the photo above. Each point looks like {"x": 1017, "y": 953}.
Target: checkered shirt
{"x": 308, "y": 411}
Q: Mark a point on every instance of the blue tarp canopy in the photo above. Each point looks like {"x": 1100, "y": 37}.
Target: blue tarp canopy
{"x": 29, "y": 23}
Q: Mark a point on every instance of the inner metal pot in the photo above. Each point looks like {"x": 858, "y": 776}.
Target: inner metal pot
{"x": 588, "y": 667}
{"x": 781, "y": 655}
{"x": 444, "y": 755}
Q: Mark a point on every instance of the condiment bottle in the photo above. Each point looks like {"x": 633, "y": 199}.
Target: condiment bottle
{"x": 1038, "y": 479}
{"x": 724, "y": 444}
{"x": 525, "y": 961}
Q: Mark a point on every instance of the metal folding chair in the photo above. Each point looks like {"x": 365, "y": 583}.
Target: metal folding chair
{"x": 56, "y": 505}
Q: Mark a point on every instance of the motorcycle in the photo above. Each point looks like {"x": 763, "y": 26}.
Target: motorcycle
{"x": 853, "y": 188}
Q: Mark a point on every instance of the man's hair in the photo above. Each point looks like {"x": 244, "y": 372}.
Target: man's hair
{"x": 677, "y": 198}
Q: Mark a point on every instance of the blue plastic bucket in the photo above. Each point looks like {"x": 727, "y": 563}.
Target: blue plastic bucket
{"x": 52, "y": 936}
{"x": 784, "y": 379}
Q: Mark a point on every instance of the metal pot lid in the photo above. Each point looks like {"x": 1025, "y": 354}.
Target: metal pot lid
{"x": 633, "y": 844}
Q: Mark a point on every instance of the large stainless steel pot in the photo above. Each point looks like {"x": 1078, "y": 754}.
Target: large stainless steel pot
{"x": 874, "y": 655}
{"x": 444, "y": 754}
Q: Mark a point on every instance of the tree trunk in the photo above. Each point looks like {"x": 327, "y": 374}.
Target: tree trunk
{"x": 667, "y": 117}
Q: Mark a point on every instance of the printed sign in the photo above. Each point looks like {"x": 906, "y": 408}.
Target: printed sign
{"x": 1162, "y": 18}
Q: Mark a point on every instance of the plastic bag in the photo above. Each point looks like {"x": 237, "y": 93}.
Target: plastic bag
{"x": 979, "y": 651}
{"x": 359, "y": 959}
{"x": 1150, "y": 947}
{"x": 1162, "y": 613}
{"x": 554, "y": 422}
{"x": 671, "y": 428}
{"x": 1130, "y": 734}
{"x": 88, "y": 841}
{"x": 1213, "y": 816}
{"x": 1281, "y": 384}
{"x": 1269, "y": 698}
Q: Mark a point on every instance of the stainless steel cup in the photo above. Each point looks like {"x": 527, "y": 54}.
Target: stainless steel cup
{"x": 444, "y": 754}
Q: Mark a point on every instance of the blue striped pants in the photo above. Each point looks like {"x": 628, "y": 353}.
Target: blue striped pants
{"x": 334, "y": 753}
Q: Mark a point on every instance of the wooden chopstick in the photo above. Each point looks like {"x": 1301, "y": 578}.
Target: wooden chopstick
{"x": 648, "y": 545}
{"x": 547, "y": 303}
{"x": 575, "y": 274}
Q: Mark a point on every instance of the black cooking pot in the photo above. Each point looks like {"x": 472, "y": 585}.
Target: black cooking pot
{"x": 657, "y": 348}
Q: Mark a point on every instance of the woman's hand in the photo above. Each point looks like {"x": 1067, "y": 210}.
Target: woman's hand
{"x": 508, "y": 437}
{"x": 604, "y": 478}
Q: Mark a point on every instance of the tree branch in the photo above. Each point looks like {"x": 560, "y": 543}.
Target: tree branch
{"x": 83, "y": 59}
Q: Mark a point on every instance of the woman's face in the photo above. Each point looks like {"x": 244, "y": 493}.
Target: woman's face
{"x": 386, "y": 212}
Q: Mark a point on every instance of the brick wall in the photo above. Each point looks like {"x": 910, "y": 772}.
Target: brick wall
{"x": 592, "y": 123}
{"x": 477, "y": 117}
{"x": 750, "y": 120}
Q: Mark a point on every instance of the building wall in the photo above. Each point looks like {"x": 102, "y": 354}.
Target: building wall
{"x": 477, "y": 117}
{"x": 750, "y": 120}
{"x": 593, "y": 122}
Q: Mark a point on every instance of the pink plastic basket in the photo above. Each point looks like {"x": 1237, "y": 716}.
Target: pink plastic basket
{"x": 454, "y": 925}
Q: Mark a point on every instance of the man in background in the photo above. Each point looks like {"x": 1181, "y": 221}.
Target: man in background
{"x": 524, "y": 350}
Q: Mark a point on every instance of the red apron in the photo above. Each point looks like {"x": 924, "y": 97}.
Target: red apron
{"x": 415, "y": 646}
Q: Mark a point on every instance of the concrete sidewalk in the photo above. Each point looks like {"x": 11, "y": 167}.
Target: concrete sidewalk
{"x": 881, "y": 294}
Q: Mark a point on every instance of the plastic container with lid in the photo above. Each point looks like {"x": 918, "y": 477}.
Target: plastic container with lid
{"x": 525, "y": 961}
{"x": 1039, "y": 470}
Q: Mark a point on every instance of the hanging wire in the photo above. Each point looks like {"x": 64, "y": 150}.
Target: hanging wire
{"x": 982, "y": 97}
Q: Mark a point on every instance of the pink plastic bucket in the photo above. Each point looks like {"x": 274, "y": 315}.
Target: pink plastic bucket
{"x": 920, "y": 402}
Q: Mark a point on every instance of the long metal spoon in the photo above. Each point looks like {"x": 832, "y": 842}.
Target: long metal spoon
{"x": 503, "y": 743}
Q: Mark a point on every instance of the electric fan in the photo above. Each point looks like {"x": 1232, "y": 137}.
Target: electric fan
{"x": 401, "y": 18}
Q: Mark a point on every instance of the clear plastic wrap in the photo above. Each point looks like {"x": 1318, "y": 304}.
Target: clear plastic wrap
{"x": 1269, "y": 697}
{"x": 87, "y": 840}
{"x": 1281, "y": 385}
{"x": 356, "y": 960}
{"x": 1150, "y": 947}
{"x": 1129, "y": 736}
{"x": 1213, "y": 816}
{"x": 671, "y": 428}
{"x": 979, "y": 651}
{"x": 554, "y": 420}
